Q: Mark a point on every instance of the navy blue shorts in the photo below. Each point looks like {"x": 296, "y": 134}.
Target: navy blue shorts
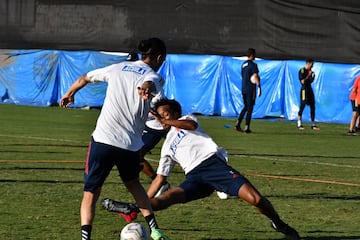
{"x": 101, "y": 159}
{"x": 151, "y": 137}
{"x": 212, "y": 174}
{"x": 355, "y": 107}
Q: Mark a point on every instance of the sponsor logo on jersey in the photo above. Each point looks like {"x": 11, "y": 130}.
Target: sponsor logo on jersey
{"x": 179, "y": 136}
{"x": 135, "y": 69}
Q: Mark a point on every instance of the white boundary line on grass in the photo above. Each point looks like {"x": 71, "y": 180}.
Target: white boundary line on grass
{"x": 40, "y": 138}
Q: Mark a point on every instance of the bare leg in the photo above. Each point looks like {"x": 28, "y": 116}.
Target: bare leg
{"x": 168, "y": 198}
{"x": 148, "y": 169}
{"x": 353, "y": 120}
{"x": 140, "y": 196}
{"x": 87, "y": 209}
{"x": 249, "y": 193}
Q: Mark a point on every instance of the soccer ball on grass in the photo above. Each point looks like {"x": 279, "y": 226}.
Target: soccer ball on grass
{"x": 134, "y": 231}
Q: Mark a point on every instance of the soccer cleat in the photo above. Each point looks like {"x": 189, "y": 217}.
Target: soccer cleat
{"x": 247, "y": 131}
{"x": 163, "y": 188}
{"x": 238, "y": 129}
{"x": 314, "y": 127}
{"x": 119, "y": 207}
{"x": 157, "y": 234}
{"x": 128, "y": 217}
{"x": 289, "y": 232}
{"x": 222, "y": 195}
{"x": 301, "y": 127}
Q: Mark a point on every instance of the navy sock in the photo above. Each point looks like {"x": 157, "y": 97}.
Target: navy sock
{"x": 151, "y": 221}
{"x": 86, "y": 232}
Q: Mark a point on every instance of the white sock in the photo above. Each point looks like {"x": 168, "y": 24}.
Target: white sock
{"x": 299, "y": 123}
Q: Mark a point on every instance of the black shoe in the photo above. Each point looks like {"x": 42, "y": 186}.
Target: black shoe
{"x": 248, "y": 131}
{"x": 238, "y": 129}
{"x": 289, "y": 232}
{"x": 352, "y": 133}
{"x": 314, "y": 127}
{"x": 118, "y": 207}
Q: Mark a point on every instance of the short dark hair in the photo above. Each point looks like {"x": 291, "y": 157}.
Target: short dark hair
{"x": 309, "y": 60}
{"x": 133, "y": 56}
{"x": 173, "y": 104}
{"x": 251, "y": 51}
{"x": 152, "y": 47}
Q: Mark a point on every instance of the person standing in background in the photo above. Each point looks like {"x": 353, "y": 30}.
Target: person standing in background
{"x": 355, "y": 101}
{"x": 307, "y": 77}
{"x": 250, "y": 79}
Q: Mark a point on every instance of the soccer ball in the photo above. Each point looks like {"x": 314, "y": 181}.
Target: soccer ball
{"x": 134, "y": 231}
{"x": 253, "y": 79}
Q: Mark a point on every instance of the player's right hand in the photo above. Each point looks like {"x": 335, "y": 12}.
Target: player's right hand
{"x": 66, "y": 101}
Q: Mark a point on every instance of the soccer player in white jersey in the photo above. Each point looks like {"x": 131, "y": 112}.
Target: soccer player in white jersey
{"x": 116, "y": 139}
{"x": 205, "y": 167}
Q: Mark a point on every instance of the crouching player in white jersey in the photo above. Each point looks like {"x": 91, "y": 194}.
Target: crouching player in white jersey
{"x": 205, "y": 168}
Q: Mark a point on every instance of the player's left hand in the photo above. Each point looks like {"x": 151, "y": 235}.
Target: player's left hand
{"x": 147, "y": 90}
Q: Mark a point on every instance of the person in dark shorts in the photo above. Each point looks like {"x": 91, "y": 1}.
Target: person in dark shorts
{"x": 307, "y": 77}
{"x": 205, "y": 166}
{"x": 116, "y": 139}
{"x": 250, "y": 79}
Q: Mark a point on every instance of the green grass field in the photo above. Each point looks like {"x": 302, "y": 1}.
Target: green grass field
{"x": 312, "y": 179}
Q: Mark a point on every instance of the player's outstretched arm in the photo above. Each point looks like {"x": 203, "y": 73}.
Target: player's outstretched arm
{"x": 187, "y": 124}
{"x": 68, "y": 97}
{"x": 156, "y": 184}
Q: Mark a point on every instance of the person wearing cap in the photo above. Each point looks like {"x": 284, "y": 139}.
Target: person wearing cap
{"x": 116, "y": 139}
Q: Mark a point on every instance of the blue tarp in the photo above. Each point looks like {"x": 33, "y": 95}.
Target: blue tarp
{"x": 205, "y": 84}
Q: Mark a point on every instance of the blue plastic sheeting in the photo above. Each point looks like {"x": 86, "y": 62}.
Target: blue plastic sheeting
{"x": 40, "y": 77}
{"x": 205, "y": 84}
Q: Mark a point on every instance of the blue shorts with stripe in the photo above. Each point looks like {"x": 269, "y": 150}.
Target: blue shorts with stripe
{"x": 212, "y": 174}
{"x": 101, "y": 159}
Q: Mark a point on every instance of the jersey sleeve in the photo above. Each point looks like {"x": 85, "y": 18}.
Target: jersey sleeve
{"x": 159, "y": 83}
{"x": 166, "y": 165}
{"x": 100, "y": 74}
{"x": 302, "y": 73}
{"x": 256, "y": 69}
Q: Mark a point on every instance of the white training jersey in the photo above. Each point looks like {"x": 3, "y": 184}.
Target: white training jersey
{"x": 185, "y": 147}
{"x": 124, "y": 112}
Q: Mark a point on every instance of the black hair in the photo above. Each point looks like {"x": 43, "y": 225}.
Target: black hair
{"x": 309, "y": 60}
{"x": 251, "y": 51}
{"x": 152, "y": 47}
{"x": 133, "y": 56}
{"x": 173, "y": 104}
